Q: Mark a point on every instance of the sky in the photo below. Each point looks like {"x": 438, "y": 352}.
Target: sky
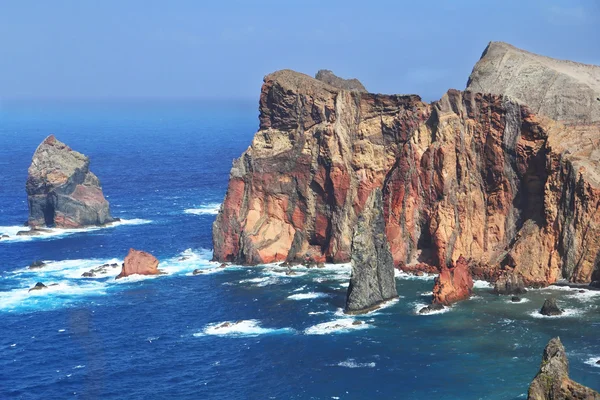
{"x": 179, "y": 49}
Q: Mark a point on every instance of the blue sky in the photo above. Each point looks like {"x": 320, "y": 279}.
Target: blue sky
{"x": 223, "y": 49}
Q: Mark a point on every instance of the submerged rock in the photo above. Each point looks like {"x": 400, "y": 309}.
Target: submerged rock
{"x": 510, "y": 283}
{"x": 515, "y": 299}
{"x": 372, "y": 281}
{"x": 431, "y": 308}
{"x": 453, "y": 284}
{"x": 38, "y": 286}
{"x": 37, "y": 264}
{"x": 550, "y": 308}
{"x": 552, "y": 382}
{"x": 140, "y": 263}
{"x": 61, "y": 190}
{"x": 327, "y": 76}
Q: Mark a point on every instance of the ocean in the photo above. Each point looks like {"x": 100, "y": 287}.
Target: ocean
{"x": 164, "y": 167}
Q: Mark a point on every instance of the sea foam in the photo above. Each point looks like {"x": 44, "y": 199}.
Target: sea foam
{"x": 341, "y": 325}
{"x": 204, "y": 209}
{"x": 307, "y": 296}
{"x": 245, "y": 328}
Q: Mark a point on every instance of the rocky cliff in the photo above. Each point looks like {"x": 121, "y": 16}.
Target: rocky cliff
{"x": 552, "y": 382}
{"x": 61, "y": 190}
{"x": 325, "y": 75}
{"x": 563, "y": 90}
{"x": 473, "y": 174}
{"x": 372, "y": 281}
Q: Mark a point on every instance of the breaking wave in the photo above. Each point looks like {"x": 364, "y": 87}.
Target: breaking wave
{"x": 205, "y": 209}
{"x": 245, "y": 328}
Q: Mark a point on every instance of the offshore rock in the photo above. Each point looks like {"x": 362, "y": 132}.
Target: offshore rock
{"x": 372, "y": 281}
{"x": 454, "y": 283}
{"x": 139, "y": 262}
{"x": 325, "y": 75}
{"x": 552, "y": 382}
{"x": 38, "y": 286}
{"x": 562, "y": 90}
{"x": 473, "y": 174}
{"x": 61, "y": 190}
{"x": 510, "y": 283}
{"x": 550, "y": 308}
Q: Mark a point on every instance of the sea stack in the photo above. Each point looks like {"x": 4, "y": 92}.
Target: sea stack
{"x": 61, "y": 190}
{"x": 372, "y": 281}
{"x": 454, "y": 283}
{"x": 552, "y": 382}
{"x": 140, "y": 263}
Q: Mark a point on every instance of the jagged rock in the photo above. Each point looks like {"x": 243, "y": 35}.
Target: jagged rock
{"x": 139, "y": 262}
{"x": 38, "y": 286}
{"x": 473, "y": 174}
{"x": 562, "y": 90}
{"x": 198, "y": 272}
{"x": 550, "y": 308}
{"x": 325, "y": 75}
{"x": 61, "y": 190}
{"x": 32, "y": 232}
{"x": 454, "y": 283}
{"x": 4, "y": 237}
{"x": 372, "y": 281}
{"x": 357, "y": 322}
{"x": 510, "y": 283}
{"x": 515, "y": 299}
{"x": 552, "y": 382}
{"x": 88, "y": 274}
{"x": 37, "y": 264}
{"x": 430, "y": 308}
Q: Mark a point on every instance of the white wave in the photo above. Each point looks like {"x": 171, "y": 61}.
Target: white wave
{"x": 522, "y": 300}
{"x": 482, "y": 284}
{"x": 426, "y": 294}
{"x": 351, "y": 363}
{"x": 344, "y": 285}
{"x": 278, "y": 271}
{"x": 593, "y": 362}
{"x": 243, "y": 328}
{"x": 567, "y": 312}
{"x": 419, "y": 306}
{"x": 204, "y": 209}
{"x": 318, "y": 312}
{"x": 336, "y": 326}
{"x": 265, "y": 281}
{"x": 55, "y": 233}
{"x": 188, "y": 261}
{"x": 404, "y": 275}
{"x": 586, "y": 295}
{"x": 301, "y": 288}
{"x": 307, "y": 296}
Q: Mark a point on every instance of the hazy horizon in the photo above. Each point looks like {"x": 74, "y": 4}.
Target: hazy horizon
{"x": 182, "y": 50}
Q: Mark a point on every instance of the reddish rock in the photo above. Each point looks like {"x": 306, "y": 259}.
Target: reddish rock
{"x": 453, "y": 284}
{"x": 139, "y": 262}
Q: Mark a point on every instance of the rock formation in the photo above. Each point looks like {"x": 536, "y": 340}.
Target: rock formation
{"x": 372, "y": 281}
{"x": 139, "y": 262}
{"x": 550, "y": 308}
{"x": 552, "y": 382}
{"x": 562, "y": 90}
{"x": 510, "y": 283}
{"x": 38, "y": 286}
{"x": 454, "y": 283}
{"x": 61, "y": 190}
{"x": 325, "y": 75}
{"x": 472, "y": 174}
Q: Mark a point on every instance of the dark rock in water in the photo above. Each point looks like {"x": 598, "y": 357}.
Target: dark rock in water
{"x": 197, "y": 272}
{"x": 595, "y": 284}
{"x": 88, "y": 275}
{"x": 582, "y": 291}
{"x": 290, "y": 272}
{"x": 515, "y": 299}
{"x": 37, "y": 264}
{"x": 325, "y": 75}
{"x": 61, "y": 190}
{"x": 357, "y": 322}
{"x": 550, "y": 308}
{"x": 431, "y": 308}
{"x": 372, "y": 281}
{"x": 552, "y": 382}
{"x": 510, "y": 283}
{"x": 32, "y": 232}
{"x": 38, "y": 286}
{"x": 4, "y": 237}
{"x": 598, "y": 362}
{"x": 223, "y": 265}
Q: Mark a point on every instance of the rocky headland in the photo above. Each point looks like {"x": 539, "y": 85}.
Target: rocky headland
{"x": 61, "y": 190}
{"x": 481, "y": 175}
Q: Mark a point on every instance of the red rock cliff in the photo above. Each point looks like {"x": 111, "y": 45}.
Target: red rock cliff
{"x": 472, "y": 174}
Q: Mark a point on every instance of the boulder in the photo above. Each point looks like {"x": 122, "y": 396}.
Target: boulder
{"x": 61, "y": 190}
{"x": 510, "y": 283}
{"x": 37, "y": 264}
{"x": 38, "y": 286}
{"x": 430, "y": 308}
{"x": 372, "y": 281}
{"x": 140, "y": 263}
{"x": 454, "y": 283}
{"x": 552, "y": 382}
{"x": 550, "y": 308}
{"x": 515, "y": 299}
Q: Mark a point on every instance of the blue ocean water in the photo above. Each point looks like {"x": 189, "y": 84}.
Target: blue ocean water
{"x": 164, "y": 168}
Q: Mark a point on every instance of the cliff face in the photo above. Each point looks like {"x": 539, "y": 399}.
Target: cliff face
{"x": 562, "y": 90}
{"x": 552, "y": 382}
{"x": 61, "y": 190}
{"x": 472, "y": 174}
{"x": 454, "y": 283}
{"x": 372, "y": 281}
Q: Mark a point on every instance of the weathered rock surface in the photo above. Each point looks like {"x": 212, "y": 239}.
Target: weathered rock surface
{"x": 372, "y": 281}
{"x": 552, "y": 382}
{"x": 61, "y": 190}
{"x": 473, "y": 174}
{"x": 454, "y": 283}
{"x": 139, "y": 262}
{"x": 562, "y": 90}
{"x": 325, "y": 75}
{"x": 510, "y": 283}
{"x": 550, "y": 308}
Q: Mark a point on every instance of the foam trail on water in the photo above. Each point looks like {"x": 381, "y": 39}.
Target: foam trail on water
{"x": 307, "y": 296}
{"x": 593, "y": 361}
{"x": 204, "y": 209}
{"x": 419, "y": 306}
{"x": 245, "y": 328}
{"x": 351, "y": 363}
{"x": 341, "y": 325}
{"x": 567, "y": 312}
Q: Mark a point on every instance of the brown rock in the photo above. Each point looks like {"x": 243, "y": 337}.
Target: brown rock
{"x": 453, "y": 284}
{"x": 139, "y": 262}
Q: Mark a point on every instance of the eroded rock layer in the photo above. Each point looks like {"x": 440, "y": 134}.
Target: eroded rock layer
{"x": 61, "y": 190}
{"x": 473, "y": 174}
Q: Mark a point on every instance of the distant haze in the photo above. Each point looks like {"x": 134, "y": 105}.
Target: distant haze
{"x": 222, "y": 49}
